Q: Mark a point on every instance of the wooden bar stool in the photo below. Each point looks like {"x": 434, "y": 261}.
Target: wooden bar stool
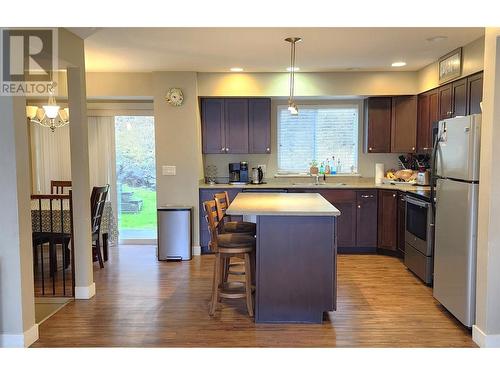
{"x": 227, "y": 246}
{"x": 222, "y": 203}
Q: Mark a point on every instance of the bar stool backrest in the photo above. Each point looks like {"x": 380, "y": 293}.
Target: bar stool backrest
{"x": 222, "y": 203}
{"x": 213, "y": 222}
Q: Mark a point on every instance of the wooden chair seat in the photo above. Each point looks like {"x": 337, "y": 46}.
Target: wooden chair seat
{"x": 242, "y": 242}
{"x": 240, "y": 227}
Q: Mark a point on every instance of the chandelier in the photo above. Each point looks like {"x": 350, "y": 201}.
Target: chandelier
{"x": 50, "y": 115}
{"x": 292, "y": 107}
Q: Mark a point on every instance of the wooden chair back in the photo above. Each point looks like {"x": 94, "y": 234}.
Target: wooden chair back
{"x": 212, "y": 220}
{"x": 57, "y": 187}
{"x": 52, "y": 223}
{"x": 222, "y": 203}
{"x": 97, "y": 201}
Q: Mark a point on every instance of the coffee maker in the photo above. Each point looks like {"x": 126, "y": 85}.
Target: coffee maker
{"x": 238, "y": 173}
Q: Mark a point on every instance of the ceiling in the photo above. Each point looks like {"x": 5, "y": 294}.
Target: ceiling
{"x": 264, "y": 49}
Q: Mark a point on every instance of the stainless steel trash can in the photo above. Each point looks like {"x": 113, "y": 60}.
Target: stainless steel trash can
{"x": 174, "y": 232}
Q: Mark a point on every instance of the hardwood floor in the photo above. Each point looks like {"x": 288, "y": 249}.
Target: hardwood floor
{"x": 141, "y": 302}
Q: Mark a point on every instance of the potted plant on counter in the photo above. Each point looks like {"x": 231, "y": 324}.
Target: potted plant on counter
{"x": 313, "y": 168}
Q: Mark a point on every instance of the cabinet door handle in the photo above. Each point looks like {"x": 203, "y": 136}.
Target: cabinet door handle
{"x": 367, "y": 196}
{"x": 268, "y": 149}
{"x": 359, "y": 206}
{"x": 394, "y": 195}
{"x": 413, "y": 148}
{"x": 223, "y": 149}
{"x": 227, "y": 149}
{"x": 370, "y": 148}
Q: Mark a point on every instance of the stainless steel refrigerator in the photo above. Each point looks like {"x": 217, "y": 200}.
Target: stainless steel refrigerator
{"x": 457, "y": 186}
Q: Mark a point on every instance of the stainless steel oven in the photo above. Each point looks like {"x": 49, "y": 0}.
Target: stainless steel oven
{"x": 419, "y": 237}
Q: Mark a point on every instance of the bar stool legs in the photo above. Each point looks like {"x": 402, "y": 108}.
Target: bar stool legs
{"x": 221, "y": 288}
{"x": 248, "y": 284}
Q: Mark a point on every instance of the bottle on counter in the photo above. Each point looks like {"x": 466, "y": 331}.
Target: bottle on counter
{"x": 322, "y": 168}
{"x": 327, "y": 166}
{"x": 339, "y": 166}
{"x": 333, "y": 170}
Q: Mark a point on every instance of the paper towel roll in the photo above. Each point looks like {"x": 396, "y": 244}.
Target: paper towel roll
{"x": 379, "y": 172}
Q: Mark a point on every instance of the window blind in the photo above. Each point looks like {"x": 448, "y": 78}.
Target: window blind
{"x": 318, "y": 133}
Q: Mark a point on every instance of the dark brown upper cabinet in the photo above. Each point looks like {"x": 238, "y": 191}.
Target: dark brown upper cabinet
{"x": 428, "y": 114}
{"x": 388, "y": 220}
{"x": 236, "y": 125}
{"x": 378, "y": 119}
{"x": 213, "y": 126}
{"x": 404, "y": 124}
{"x": 391, "y": 124}
{"x": 474, "y": 93}
{"x": 459, "y": 95}
{"x": 259, "y": 126}
{"x": 445, "y": 101}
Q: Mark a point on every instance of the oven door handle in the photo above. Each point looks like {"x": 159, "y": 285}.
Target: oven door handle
{"x": 417, "y": 202}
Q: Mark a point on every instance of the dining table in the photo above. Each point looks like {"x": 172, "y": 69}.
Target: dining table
{"x": 41, "y": 211}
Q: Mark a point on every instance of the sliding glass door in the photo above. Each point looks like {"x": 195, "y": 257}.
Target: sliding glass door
{"x": 136, "y": 178}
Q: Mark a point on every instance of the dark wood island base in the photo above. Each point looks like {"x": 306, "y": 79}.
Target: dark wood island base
{"x": 296, "y": 268}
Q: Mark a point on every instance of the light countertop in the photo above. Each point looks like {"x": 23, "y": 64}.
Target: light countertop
{"x": 352, "y": 183}
{"x": 286, "y": 204}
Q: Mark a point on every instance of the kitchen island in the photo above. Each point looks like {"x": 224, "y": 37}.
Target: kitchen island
{"x": 296, "y": 255}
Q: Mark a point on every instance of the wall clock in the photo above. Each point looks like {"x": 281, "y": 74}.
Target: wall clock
{"x": 174, "y": 97}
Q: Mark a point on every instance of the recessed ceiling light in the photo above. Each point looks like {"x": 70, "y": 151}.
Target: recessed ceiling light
{"x": 236, "y": 69}
{"x": 295, "y": 69}
{"x": 398, "y": 64}
{"x": 437, "y": 38}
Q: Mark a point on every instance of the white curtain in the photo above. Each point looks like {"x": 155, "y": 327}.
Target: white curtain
{"x": 51, "y": 155}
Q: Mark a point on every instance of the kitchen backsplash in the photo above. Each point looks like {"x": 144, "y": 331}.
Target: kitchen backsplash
{"x": 366, "y": 163}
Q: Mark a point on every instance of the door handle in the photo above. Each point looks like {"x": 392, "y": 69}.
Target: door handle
{"x": 367, "y": 196}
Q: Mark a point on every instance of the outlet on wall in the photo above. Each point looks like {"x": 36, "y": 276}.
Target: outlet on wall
{"x": 168, "y": 170}
{"x": 263, "y": 166}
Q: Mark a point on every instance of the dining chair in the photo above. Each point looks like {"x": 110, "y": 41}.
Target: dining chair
{"x": 57, "y": 187}
{"x": 97, "y": 201}
{"x": 52, "y": 226}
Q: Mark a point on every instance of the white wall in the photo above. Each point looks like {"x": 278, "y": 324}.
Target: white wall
{"x": 178, "y": 142}
{"x": 486, "y": 331}
{"x": 472, "y": 62}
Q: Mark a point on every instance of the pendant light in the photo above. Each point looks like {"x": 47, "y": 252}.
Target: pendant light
{"x": 292, "y": 107}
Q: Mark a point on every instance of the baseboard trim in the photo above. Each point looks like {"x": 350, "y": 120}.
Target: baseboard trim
{"x": 23, "y": 340}
{"x": 484, "y": 340}
{"x": 85, "y": 292}
{"x": 196, "y": 250}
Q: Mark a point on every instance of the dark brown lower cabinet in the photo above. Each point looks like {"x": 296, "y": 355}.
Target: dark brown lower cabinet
{"x": 401, "y": 222}
{"x": 387, "y": 220}
{"x": 345, "y": 201}
{"x": 366, "y": 219}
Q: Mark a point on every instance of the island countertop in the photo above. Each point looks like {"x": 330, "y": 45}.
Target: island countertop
{"x": 281, "y": 204}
